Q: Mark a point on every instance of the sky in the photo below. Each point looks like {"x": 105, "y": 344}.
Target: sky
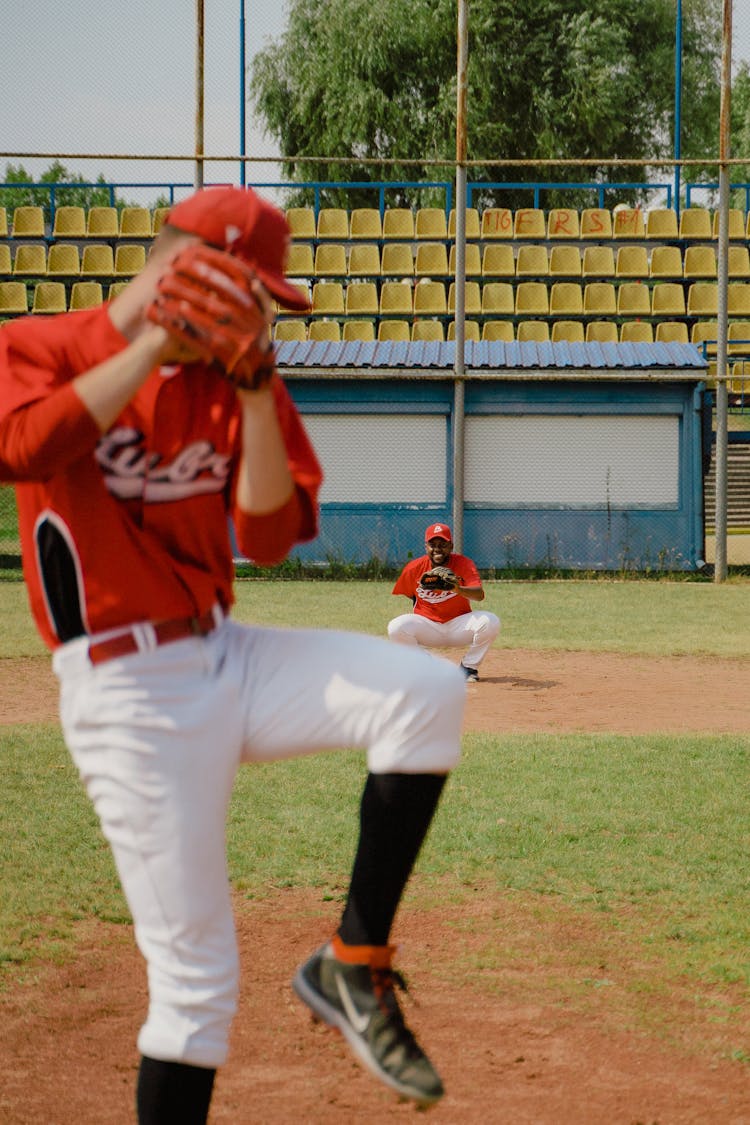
{"x": 121, "y": 79}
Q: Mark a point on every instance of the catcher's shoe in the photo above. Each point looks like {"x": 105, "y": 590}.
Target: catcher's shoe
{"x": 358, "y": 998}
{"x": 471, "y": 674}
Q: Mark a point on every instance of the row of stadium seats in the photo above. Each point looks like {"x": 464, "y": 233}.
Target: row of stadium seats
{"x": 65, "y": 260}
{"x": 18, "y": 299}
{"x": 402, "y": 223}
{"x": 664, "y": 300}
{"x": 527, "y": 298}
{"x": 434, "y": 259}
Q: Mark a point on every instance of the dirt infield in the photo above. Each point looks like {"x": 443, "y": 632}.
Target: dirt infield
{"x": 558, "y": 1036}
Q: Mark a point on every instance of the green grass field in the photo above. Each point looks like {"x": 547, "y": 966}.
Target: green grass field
{"x": 648, "y": 836}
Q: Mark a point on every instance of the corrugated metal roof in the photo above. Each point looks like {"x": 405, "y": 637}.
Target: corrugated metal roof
{"x": 485, "y": 355}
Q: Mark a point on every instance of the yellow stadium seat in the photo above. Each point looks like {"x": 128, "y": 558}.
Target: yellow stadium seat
{"x": 6, "y": 266}
{"x": 564, "y": 261}
{"x": 529, "y": 222}
{"x": 364, "y": 260}
{"x": 700, "y": 261}
{"x": 738, "y": 299}
{"x": 599, "y": 299}
{"x": 85, "y": 295}
{"x": 116, "y": 289}
{"x": 358, "y": 330}
{"x": 102, "y": 222}
{"x": 666, "y": 262}
{"x": 531, "y": 299}
{"x": 158, "y": 219}
{"x": 28, "y": 222}
{"x": 329, "y": 330}
{"x": 431, "y": 330}
{"x": 397, "y": 260}
{"x": 532, "y": 261}
{"x": 498, "y": 299}
{"x": 633, "y": 299}
{"x": 703, "y": 299}
{"x": 300, "y": 260}
{"x": 361, "y": 299}
{"x": 631, "y": 261}
{"x": 328, "y": 298}
{"x": 533, "y": 331}
{"x": 69, "y": 222}
{"x": 472, "y": 223}
{"x": 497, "y": 222}
{"x": 596, "y": 223}
{"x": 396, "y": 299}
{"x": 330, "y": 260}
{"x": 430, "y": 223}
{"x": 49, "y": 297}
{"x": 661, "y": 223}
{"x": 97, "y": 260}
{"x": 430, "y": 298}
{"x": 738, "y": 330}
{"x": 365, "y": 223}
{"x": 705, "y": 332}
{"x": 736, "y": 219}
{"x": 129, "y": 259}
{"x": 498, "y": 260}
{"x": 63, "y": 260}
{"x": 568, "y": 331}
{"x": 472, "y": 260}
{"x": 472, "y": 298}
{"x": 302, "y": 288}
{"x": 739, "y": 384}
{"x": 398, "y": 223}
{"x": 563, "y": 223}
{"x": 498, "y": 330}
{"x": 135, "y": 222}
{"x": 3, "y": 222}
{"x": 431, "y": 259}
{"x": 301, "y": 222}
{"x": 598, "y": 261}
{"x": 30, "y": 261}
{"x": 471, "y": 331}
{"x": 695, "y": 223}
{"x": 672, "y": 332}
{"x": 566, "y": 300}
{"x": 636, "y": 332}
{"x": 601, "y": 332}
{"x": 290, "y": 330}
{"x": 394, "y": 330}
{"x": 627, "y": 222}
{"x": 333, "y": 222}
{"x": 739, "y": 261}
{"x": 668, "y": 299}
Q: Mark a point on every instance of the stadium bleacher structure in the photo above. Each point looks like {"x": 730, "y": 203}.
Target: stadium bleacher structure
{"x": 595, "y": 275}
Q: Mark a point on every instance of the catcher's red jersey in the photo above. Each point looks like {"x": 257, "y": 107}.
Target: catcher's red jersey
{"x": 131, "y": 525}
{"x": 438, "y": 605}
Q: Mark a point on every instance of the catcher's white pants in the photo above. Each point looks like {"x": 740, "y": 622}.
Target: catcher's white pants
{"x": 157, "y": 738}
{"x": 475, "y": 631}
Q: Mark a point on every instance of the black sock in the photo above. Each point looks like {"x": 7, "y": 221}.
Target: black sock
{"x": 395, "y": 814}
{"x": 173, "y": 1093}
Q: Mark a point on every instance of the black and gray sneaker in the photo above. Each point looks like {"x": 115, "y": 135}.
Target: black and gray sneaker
{"x": 360, "y": 1000}
{"x": 471, "y": 674}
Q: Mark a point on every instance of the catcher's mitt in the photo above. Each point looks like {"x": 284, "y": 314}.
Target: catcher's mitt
{"x": 439, "y": 578}
{"x": 206, "y": 299}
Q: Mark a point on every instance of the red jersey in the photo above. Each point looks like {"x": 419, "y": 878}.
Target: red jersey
{"x": 132, "y": 525}
{"x": 438, "y": 605}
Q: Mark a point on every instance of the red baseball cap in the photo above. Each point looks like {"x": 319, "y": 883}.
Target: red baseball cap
{"x": 438, "y": 531}
{"x": 238, "y": 220}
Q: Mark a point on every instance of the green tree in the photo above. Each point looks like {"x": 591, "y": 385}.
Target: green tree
{"x": 37, "y": 193}
{"x": 740, "y": 129}
{"x": 547, "y": 79}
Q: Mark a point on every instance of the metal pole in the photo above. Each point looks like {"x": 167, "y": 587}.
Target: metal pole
{"x": 242, "y": 92}
{"x": 460, "y": 279}
{"x": 199, "y": 148}
{"x": 677, "y": 104}
{"x": 720, "y": 564}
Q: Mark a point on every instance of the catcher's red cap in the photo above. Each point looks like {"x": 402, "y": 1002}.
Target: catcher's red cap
{"x": 238, "y": 220}
{"x": 438, "y": 531}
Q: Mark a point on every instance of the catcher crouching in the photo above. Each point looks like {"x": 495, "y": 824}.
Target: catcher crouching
{"x": 442, "y": 585}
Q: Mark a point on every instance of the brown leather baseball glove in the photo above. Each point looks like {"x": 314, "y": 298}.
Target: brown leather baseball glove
{"x": 439, "y": 578}
{"x": 207, "y": 300}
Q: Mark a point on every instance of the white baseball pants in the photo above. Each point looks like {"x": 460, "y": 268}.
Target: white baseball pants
{"x": 157, "y": 737}
{"x": 474, "y": 631}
